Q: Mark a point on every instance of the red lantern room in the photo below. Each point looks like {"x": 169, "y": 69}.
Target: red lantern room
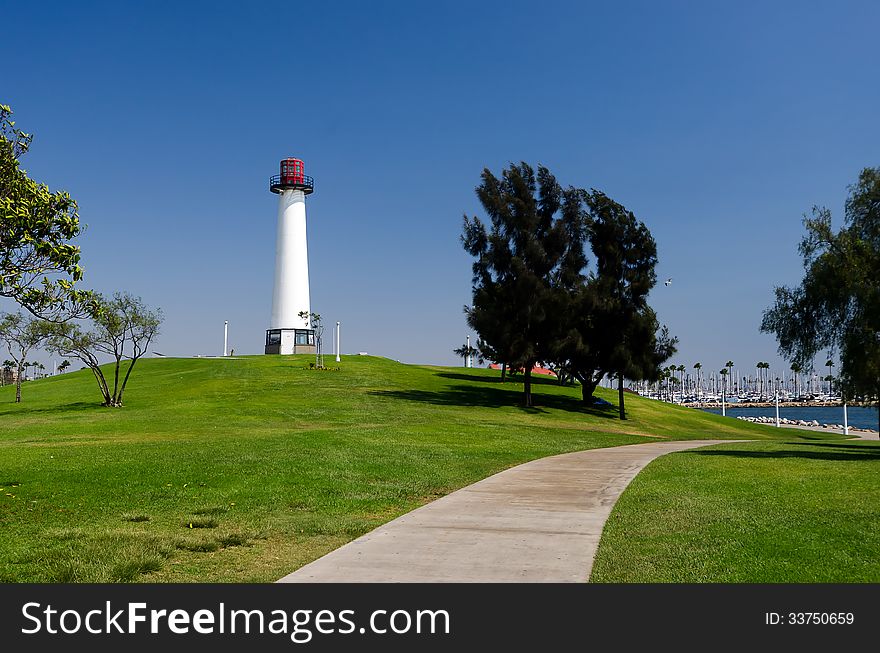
{"x": 292, "y": 177}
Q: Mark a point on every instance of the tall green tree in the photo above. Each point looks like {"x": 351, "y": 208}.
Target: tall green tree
{"x": 612, "y": 330}
{"x": 38, "y": 263}
{"x": 531, "y": 249}
{"x": 837, "y": 304}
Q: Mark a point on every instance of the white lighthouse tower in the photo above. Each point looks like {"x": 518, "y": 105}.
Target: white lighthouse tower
{"x": 289, "y": 332}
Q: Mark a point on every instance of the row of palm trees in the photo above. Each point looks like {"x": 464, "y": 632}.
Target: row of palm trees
{"x": 9, "y": 368}
{"x": 725, "y": 383}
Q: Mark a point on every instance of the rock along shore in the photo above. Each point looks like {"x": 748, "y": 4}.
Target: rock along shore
{"x": 799, "y": 422}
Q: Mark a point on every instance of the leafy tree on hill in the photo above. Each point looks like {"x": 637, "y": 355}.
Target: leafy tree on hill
{"x": 122, "y": 329}
{"x": 21, "y": 334}
{"x": 837, "y": 304}
{"x": 38, "y": 264}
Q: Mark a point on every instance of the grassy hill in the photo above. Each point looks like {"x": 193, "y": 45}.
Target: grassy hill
{"x": 245, "y": 469}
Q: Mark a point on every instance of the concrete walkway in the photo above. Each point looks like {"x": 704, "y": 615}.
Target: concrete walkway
{"x": 538, "y": 522}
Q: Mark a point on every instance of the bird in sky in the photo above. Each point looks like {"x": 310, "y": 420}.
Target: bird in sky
{"x": 668, "y": 282}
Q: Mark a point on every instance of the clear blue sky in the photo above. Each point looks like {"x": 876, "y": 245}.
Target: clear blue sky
{"x": 719, "y": 124}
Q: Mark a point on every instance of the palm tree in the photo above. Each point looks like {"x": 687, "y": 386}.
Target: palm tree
{"x": 7, "y": 371}
{"x": 729, "y": 366}
{"x": 829, "y": 364}
{"x": 723, "y": 372}
{"x": 680, "y": 369}
{"x": 762, "y": 365}
{"x": 796, "y": 370}
{"x": 699, "y": 366}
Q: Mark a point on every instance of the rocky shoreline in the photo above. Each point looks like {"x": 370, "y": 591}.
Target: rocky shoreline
{"x": 799, "y": 422}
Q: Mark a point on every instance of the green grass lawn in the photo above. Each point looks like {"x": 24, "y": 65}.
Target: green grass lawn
{"x": 245, "y": 469}
{"x": 768, "y": 512}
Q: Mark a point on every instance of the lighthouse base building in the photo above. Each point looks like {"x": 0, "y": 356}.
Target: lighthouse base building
{"x": 290, "y": 341}
{"x": 290, "y": 329}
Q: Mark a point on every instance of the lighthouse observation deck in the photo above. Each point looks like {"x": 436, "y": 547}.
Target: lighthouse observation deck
{"x": 292, "y": 177}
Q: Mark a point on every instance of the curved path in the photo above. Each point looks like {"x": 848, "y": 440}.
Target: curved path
{"x": 537, "y": 522}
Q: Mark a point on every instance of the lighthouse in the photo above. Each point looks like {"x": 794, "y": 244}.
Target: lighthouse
{"x": 290, "y": 332}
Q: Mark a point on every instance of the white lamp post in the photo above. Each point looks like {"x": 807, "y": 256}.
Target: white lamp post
{"x": 225, "y": 335}
{"x": 845, "y": 423}
{"x": 723, "y": 409}
{"x": 777, "y": 409}
{"x": 337, "y": 342}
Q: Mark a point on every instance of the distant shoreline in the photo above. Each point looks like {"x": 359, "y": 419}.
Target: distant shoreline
{"x": 771, "y": 404}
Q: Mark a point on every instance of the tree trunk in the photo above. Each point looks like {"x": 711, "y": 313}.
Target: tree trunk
{"x": 124, "y": 382}
{"x": 527, "y": 386}
{"x": 503, "y": 371}
{"x": 102, "y": 383}
{"x": 620, "y": 396}
{"x": 588, "y": 387}
{"x": 116, "y": 382}
{"x": 18, "y": 387}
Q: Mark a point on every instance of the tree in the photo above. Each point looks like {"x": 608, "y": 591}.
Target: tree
{"x": 622, "y": 335}
{"x": 646, "y": 353}
{"x": 64, "y": 365}
{"x": 829, "y": 364}
{"x": 837, "y": 304}
{"x": 533, "y": 247}
{"x": 466, "y": 351}
{"x": 608, "y": 329}
{"x": 121, "y": 327}
{"x": 316, "y": 322}
{"x": 21, "y": 335}
{"x": 761, "y": 366}
{"x": 729, "y": 366}
{"x": 796, "y": 371}
{"x": 38, "y": 265}
{"x": 699, "y": 367}
{"x": 681, "y": 369}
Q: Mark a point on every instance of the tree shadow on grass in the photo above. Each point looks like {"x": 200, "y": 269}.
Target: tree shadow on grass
{"x": 849, "y": 445}
{"x": 515, "y": 381}
{"x": 77, "y": 406}
{"x": 844, "y": 452}
{"x": 494, "y": 397}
